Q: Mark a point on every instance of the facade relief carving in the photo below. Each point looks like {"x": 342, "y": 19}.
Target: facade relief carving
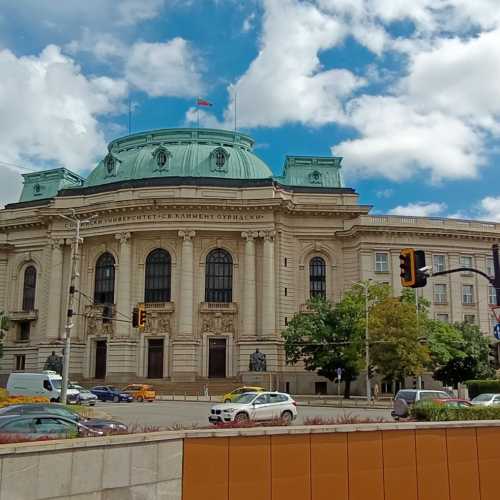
{"x": 157, "y": 322}
{"x": 218, "y": 322}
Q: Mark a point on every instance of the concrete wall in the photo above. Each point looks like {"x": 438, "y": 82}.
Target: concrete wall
{"x": 134, "y": 467}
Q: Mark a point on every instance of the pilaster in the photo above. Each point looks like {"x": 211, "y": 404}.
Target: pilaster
{"x": 55, "y": 290}
{"x": 268, "y": 286}
{"x": 249, "y": 292}
{"x": 123, "y": 305}
{"x": 187, "y": 287}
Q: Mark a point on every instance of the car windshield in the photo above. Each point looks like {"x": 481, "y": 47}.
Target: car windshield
{"x": 245, "y": 398}
{"x": 56, "y": 383}
{"x": 114, "y": 389}
{"x": 483, "y": 397}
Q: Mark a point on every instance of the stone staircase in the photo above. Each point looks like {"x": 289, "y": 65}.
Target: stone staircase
{"x": 216, "y": 386}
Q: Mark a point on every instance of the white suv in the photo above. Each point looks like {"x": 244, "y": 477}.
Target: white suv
{"x": 255, "y": 406}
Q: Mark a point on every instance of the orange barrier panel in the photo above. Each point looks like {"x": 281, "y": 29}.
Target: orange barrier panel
{"x": 366, "y": 478}
{"x": 400, "y": 465}
{"x": 329, "y": 470}
{"x": 455, "y": 463}
{"x": 432, "y": 465}
{"x": 462, "y": 464}
{"x": 250, "y": 468}
{"x": 488, "y": 446}
{"x": 291, "y": 467}
{"x": 205, "y": 469}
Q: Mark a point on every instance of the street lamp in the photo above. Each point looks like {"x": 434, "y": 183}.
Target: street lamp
{"x": 365, "y": 286}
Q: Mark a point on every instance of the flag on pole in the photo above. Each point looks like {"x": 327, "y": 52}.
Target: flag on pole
{"x": 203, "y": 102}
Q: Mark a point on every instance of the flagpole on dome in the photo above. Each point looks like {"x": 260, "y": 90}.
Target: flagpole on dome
{"x": 198, "y": 112}
{"x": 235, "y": 105}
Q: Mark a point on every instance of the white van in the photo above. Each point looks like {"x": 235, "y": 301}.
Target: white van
{"x": 46, "y": 383}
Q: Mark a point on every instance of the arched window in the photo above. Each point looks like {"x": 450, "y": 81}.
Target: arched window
{"x": 29, "y": 287}
{"x": 157, "y": 282}
{"x": 317, "y": 277}
{"x": 104, "y": 289}
{"x": 219, "y": 276}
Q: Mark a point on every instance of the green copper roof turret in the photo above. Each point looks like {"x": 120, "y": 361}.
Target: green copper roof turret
{"x": 312, "y": 171}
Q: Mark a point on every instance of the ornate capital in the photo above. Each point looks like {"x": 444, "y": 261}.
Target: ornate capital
{"x": 56, "y": 244}
{"x": 249, "y": 235}
{"x": 123, "y": 238}
{"x": 187, "y": 235}
{"x": 267, "y": 235}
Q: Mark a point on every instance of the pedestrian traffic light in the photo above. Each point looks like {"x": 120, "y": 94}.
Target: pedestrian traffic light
{"x": 411, "y": 263}
{"x": 135, "y": 317}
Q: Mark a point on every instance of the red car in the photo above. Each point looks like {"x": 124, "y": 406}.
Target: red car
{"x": 454, "y": 402}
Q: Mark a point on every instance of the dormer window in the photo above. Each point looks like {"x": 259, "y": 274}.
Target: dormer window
{"x": 110, "y": 164}
{"x": 37, "y": 189}
{"x": 161, "y": 156}
{"x": 219, "y": 158}
{"x": 315, "y": 177}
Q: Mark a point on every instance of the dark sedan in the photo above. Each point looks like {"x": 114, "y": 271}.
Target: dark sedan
{"x": 43, "y": 424}
{"x": 110, "y": 393}
{"x": 98, "y": 424}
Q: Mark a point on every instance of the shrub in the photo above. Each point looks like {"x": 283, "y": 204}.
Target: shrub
{"x": 346, "y": 419}
{"x": 277, "y": 422}
{"x": 7, "y": 438}
{"x": 477, "y": 387}
{"x": 428, "y": 411}
{"x": 15, "y": 400}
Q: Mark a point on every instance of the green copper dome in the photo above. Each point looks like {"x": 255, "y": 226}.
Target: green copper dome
{"x": 180, "y": 153}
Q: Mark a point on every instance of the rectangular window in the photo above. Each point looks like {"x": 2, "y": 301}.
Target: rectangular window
{"x": 381, "y": 262}
{"x": 438, "y": 263}
{"x": 24, "y": 331}
{"x": 440, "y": 294}
{"x": 466, "y": 261}
{"x": 286, "y": 321}
{"x": 490, "y": 269}
{"x": 470, "y": 318}
{"x": 20, "y": 361}
{"x": 286, "y": 292}
{"x": 285, "y": 262}
{"x": 467, "y": 294}
{"x": 492, "y": 296}
{"x": 443, "y": 317}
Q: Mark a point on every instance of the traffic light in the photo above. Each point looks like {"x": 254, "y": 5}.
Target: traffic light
{"x": 142, "y": 316}
{"x": 493, "y": 355}
{"x": 135, "y": 317}
{"x": 411, "y": 261}
{"x": 371, "y": 371}
{"x": 139, "y": 316}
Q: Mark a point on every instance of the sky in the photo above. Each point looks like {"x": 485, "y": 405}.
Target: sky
{"x": 407, "y": 92}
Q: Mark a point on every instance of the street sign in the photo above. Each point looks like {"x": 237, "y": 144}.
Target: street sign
{"x": 496, "y": 331}
{"x": 339, "y": 371}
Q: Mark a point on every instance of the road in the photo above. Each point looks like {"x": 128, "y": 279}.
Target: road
{"x": 172, "y": 413}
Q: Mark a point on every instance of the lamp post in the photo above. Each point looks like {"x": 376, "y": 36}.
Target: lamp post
{"x": 365, "y": 286}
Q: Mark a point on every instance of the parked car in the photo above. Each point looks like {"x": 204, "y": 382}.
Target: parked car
{"x": 43, "y": 424}
{"x": 46, "y": 383}
{"x": 85, "y": 397}
{"x": 255, "y": 406}
{"x": 110, "y": 393}
{"x": 141, "y": 392}
{"x": 231, "y": 396}
{"x": 61, "y": 410}
{"x": 405, "y": 398}
{"x": 453, "y": 402}
{"x": 487, "y": 399}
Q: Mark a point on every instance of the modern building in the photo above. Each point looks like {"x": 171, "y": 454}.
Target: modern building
{"x": 222, "y": 253}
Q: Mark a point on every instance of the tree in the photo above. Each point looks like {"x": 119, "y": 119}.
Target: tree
{"x": 395, "y": 348}
{"x": 445, "y": 343}
{"x": 326, "y": 338}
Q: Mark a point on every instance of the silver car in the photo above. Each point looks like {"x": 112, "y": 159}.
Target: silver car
{"x": 85, "y": 397}
{"x": 255, "y": 406}
{"x": 488, "y": 399}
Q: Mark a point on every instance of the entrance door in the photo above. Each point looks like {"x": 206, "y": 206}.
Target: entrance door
{"x": 155, "y": 358}
{"x": 100, "y": 359}
{"x": 217, "y": 358}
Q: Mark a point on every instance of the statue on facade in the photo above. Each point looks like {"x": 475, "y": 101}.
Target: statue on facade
{"x": 54, "y": 363}
{"x": 258, "y": 361}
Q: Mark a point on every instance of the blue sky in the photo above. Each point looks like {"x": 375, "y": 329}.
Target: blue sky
{"x": 406, "y": 92}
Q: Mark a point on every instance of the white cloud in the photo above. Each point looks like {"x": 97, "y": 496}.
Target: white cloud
{"x": 490, "y": 208}
{"x": 136, "y": 11}
{"x": 164, "y": 69}
{"x": 419, "y": 209}
{"x": 286, "y": 82}
{"x": 248, "y": 23}
{"x": 384, "y": 193}
{"x": 104, "y": 46}
{"x": 204, "y": 118}
{"x": 50, "y": 110}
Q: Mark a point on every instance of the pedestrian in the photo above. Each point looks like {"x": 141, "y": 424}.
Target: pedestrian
{"x": 375, "y": 391}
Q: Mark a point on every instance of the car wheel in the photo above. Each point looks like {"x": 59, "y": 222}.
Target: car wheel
{"x": 227, "y": 400}
{"x": 287, "y": 417}
{"x": 116, "y": 399}
{"x": 140, "y": 399}
{"x": 241, "y": 417}
{"x": 92, "y": 403}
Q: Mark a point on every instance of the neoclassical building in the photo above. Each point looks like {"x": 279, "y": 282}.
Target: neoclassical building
{"x": 222, "y": 253}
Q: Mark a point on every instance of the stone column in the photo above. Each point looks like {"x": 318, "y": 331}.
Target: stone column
{"x": 122, "y": 299}
{"x": 4, "y": 285}
{"x": 268, "y": 287}
{"x": 56, "y": 296}
{"x": 186, "y": 296}
{"x": 249, "y": 292}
